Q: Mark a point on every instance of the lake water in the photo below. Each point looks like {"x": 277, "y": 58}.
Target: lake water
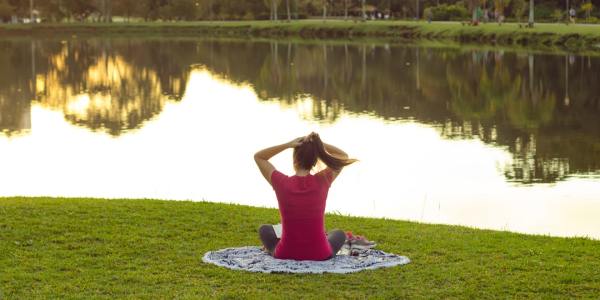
{"x": 484, "y": 138}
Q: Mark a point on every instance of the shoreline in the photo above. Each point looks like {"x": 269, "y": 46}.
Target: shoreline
{"x": 577, "y": 37}
{"x": 274, "y": 209}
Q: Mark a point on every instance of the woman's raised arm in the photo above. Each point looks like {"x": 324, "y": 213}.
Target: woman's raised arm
{"x": 262, "y": 157}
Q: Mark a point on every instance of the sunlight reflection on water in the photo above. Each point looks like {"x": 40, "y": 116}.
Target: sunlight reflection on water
{"x": 407, "y": 170}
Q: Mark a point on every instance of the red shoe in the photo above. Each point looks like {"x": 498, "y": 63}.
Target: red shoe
{"x": 358, "y": 241}
{"x": 349, "y": 235}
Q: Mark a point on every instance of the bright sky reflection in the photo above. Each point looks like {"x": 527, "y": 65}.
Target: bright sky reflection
{"x": 201, "y": 149}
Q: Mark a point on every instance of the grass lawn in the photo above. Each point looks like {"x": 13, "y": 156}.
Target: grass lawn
{"x": 94, "y": 248}
{"x": 579, "y": 36}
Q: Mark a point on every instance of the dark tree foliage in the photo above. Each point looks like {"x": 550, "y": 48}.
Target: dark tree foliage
{"x": 103, "y": 10}
{"x": 5, "y": 11}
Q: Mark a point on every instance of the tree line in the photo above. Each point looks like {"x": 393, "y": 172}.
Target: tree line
{"x": 171, "y": 10}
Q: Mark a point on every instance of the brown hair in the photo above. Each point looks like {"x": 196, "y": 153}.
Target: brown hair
{"x": 310, "y": 151}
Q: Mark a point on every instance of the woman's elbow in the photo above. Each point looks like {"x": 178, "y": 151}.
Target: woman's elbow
{"x": 257, "y": 156}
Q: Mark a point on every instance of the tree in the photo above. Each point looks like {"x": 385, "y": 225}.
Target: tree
{"x": 108, "y": 11}
{"x": 105, "y": 9}
{"x": 51, "y": 10}
{"x": 165, "y": 12}
{"x": 274, "y": 4}
{"x": 6, "y": 11}
{"x": 518, "y": 7}
{"x": 417, "y": 10}
{"x": 557, "y": 15}
{"x": 499, "y": 6}
{"x": 364, "y": 10}
{"x": 149, "y": 9}
{"x": 345, "y": 9}
{"x": 126, "y": 8}
{"x": 182, "y": 9}
{"x": 475, "y": 10}
{"x": 56, "y": 10}
{"x": 587, "y": 7}
{"x": 80, "y": 9}
{"x": 531, "y": 13}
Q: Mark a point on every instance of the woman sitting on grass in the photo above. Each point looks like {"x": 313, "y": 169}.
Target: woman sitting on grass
{"x": 302, "y": 200}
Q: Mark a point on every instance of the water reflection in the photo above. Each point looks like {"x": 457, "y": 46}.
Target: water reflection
{"x": 190, "y": 151}
{"x": 543, "y": 108}
{"x": 94, "y": 84}
{"x": 515, "y": 100}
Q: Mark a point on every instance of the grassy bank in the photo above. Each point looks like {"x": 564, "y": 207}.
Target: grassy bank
{"x": 82, "y": 248}
{"x": 573, "y": 36}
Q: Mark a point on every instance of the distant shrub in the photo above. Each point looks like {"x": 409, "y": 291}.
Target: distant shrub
{"x": 248, "y": 16}
{"x": 586, "y": 9}
{"x": 558, "y": 15}
{"x": 518, "y": 7}
{"x": 295, "y": 16}
{"x": 445, "y": 12}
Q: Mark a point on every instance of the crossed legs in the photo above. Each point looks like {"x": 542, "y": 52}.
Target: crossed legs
{"x": 336, "y": 239}
{"x": 268, "y": 238}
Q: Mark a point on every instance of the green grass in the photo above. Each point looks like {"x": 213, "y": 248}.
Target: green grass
{"x": 93, "y": 248}
{"x": 579, "y": 36}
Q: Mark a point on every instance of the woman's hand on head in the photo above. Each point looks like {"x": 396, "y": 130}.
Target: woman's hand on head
{"x": 313, "y": 136}
{"x": 296, "y": 142}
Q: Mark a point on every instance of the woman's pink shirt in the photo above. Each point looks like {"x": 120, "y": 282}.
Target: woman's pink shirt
{"x": 302, "y": 208}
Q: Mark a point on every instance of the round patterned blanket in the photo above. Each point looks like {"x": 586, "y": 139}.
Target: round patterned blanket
{"x": 253, "y": 259}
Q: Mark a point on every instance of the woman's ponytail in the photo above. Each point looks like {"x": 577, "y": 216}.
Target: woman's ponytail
{"x": 311, "y": 150}
{"x": 331, "y": 161}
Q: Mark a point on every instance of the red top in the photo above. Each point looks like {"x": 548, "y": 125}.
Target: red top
{"x": 302, "y": 208}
